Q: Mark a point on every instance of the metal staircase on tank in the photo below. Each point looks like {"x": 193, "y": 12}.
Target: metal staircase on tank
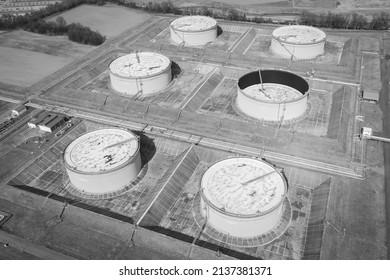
{"x": 182, "y": 44}
{"x": 138, "y": 84}
{"x": 292, "y": 54}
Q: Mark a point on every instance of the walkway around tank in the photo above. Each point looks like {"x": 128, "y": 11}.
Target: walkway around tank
{"x": 31, "y": 248}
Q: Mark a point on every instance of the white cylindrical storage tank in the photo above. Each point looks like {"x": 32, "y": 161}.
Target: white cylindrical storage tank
{"x": 194, "y": 30}
{"x": 242, "y": 197}
{"x": 103, "y": 160}
{"x": 140, "y": 73}
{"x": 298, "y": 42}
{"x": 274, "y": 95}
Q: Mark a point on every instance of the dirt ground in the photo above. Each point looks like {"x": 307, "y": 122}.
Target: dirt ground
{"x": 109, "y": 20}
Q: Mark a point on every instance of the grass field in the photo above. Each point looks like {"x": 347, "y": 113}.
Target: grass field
{"x": 51, "y": 45}
{"x": 24, "y": 68}
{"x": 249, "y": 2}
{"x": 109, "y": 20}
{"x": 28, "y": 57}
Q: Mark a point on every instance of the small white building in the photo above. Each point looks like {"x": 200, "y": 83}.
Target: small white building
{"x": 19, "y": 110}
{"x": 47, "y": 122}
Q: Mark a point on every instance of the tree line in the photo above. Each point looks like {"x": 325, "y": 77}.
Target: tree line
{"x": 10, "y": 21}
{"x": 34, "y": 20}
{"x": 346, "y": 21}
{"x": 75, "y": 31}
{"x": 330, "y": 20}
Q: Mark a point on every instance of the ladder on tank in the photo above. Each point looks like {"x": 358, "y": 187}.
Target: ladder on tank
{"x": 182, "y": 44}
{"x": 292, "y": 54}
{"x": 280, "y": 122}
{"x": 138, "y": 82}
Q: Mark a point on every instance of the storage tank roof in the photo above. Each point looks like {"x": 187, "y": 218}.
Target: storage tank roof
{"x": 273, "y": 93}
{"x": 299, "y": 34}
{"x": 101, "y": 150}
{"x": 193, "y": 23}
{"x": 243, "y": 186}
{"x": 141, "y": 64}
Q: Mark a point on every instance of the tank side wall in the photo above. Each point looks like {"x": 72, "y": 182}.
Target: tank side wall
{"x": 243, "y": 227}
{"x": 148, "y": 85}
{"x": 300, "y": 51}
{"x": 193, "y": 38}
{"x": 274, "y": 76}
{"x": 256, "y": 109}
{"x": 106, "y": 182}
{"x": 294, "y": 109}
